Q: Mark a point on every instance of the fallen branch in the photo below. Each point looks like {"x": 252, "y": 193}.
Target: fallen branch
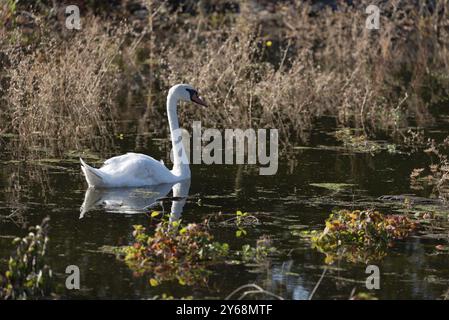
{"x": 258, "y": 290}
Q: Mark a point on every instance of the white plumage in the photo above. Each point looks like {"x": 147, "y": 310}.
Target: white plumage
{"x": 137, "y": 170}
{"x": 128, "y": 170}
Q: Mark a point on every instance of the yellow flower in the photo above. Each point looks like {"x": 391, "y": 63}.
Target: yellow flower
{"x": 268, "y": 43}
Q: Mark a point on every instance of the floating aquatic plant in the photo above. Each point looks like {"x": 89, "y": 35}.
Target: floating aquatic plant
{"x": 259, "y": 253}
{"x": 28, "y": 277}
{"x": 361, "y": 143}
{"x": 359, "y": 236}
{"x": 243, "y": 219}
{"x": 174, "y": 252}
{"x": 240, "y": 219}
{"x": 184, "y": 252}
{"x": 358, "y": 143}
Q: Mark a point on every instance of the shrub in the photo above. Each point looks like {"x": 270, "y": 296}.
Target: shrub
{"x": 359, "y": 236}
{"x": 174, "y": 252}
{"x": 28, "y": 276}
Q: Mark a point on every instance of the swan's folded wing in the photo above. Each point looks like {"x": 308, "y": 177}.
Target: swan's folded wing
{"x": 133, "y": 167}
{"x": 117, "y": 160}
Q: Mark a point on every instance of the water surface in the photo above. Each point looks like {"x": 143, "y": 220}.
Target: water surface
{"x": 285, "y": 202}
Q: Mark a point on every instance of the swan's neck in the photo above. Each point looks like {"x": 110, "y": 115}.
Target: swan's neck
{"x": 180, "y": 163}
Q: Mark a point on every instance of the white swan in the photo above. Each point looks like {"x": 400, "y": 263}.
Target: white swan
{"x": 137, "y": 170}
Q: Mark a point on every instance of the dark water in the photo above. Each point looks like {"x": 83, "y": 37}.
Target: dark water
{"x": 283, "y": 203}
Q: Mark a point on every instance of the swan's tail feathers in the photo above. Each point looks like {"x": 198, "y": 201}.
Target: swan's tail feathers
{"x": 93, "y": 176}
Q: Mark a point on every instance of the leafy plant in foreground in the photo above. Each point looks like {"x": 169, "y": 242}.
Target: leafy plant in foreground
{"x": 173, "y": 252}
{"x": 28, "y": 277}
{"x": 359, "y": 236}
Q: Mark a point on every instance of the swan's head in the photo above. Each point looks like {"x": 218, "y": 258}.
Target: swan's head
{"x": 187, "y": 93}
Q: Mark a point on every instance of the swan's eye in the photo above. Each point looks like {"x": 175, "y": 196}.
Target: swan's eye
{"x": 192, "y": 93}
{"x": 195, "y": 98}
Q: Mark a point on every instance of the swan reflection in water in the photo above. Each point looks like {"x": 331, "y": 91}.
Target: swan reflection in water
{"x": 137, "y": 200}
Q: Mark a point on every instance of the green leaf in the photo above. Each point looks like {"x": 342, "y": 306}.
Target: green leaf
{"x": 154, "y": 282}
{"x": 155, "y": 214}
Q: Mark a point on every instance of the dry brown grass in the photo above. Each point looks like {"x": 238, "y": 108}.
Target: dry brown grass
{"x": 318, "y": 63}
{"x": 327, "y": 63}
{"x": 64, "y": 89}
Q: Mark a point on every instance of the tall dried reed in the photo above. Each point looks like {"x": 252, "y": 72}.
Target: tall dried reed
{"x": 282, "y": 68}
{"x": 287, "y": 67}
{"x": 64, "y": 88}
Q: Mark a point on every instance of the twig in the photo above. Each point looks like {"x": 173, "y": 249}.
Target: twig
{"x": 318, "y": 284}
{"x": 258, "y": 290}
{"x": 362, "y": 110}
